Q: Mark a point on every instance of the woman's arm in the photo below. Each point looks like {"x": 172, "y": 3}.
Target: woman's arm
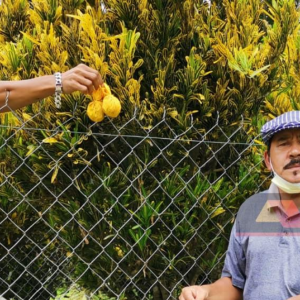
{"x": 24, "y": 92}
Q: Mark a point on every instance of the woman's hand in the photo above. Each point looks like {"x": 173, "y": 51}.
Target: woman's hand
{"x": 81, "y": 78}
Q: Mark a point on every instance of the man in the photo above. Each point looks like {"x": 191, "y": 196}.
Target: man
{"x": 263, "y": 257}
{"x": 17, "y": 94}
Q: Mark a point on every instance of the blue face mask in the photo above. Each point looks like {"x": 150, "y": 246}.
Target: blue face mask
{"x": 286, "y": 186}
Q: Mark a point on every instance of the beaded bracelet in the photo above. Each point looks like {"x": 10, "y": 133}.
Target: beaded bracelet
{"x": 58, "y": 89}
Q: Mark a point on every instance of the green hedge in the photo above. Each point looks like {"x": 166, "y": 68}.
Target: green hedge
{"x": 115, "y": 222}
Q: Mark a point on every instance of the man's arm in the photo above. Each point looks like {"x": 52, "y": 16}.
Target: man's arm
{"x": 24, "y": 92}
{"x": 222, "y": 289}
{"x": 294, "y": 298}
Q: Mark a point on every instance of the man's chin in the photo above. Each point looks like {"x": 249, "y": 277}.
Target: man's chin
{"x": 292, "y": 175}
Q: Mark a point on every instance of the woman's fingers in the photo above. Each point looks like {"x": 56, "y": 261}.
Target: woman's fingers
{"x": 81, "y": 78}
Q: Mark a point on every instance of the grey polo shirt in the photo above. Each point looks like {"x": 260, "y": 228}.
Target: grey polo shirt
{"x": 263, "y": 256}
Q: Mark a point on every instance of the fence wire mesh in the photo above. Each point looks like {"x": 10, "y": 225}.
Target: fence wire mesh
{"x": 110, "y": 211}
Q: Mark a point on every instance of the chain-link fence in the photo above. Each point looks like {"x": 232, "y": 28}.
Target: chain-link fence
{"x": 110, "y": 211}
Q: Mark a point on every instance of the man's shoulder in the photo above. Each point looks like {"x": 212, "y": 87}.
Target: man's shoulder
{"x": 254, "y": 200}
{"x": 255, "y": 218}
{"x": 252, "y": 206}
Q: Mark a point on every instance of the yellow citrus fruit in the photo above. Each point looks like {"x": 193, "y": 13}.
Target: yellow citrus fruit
{"x": 111, "y": 106}
{"x": 95, "y": 111}
{"x": 101, "y": 92}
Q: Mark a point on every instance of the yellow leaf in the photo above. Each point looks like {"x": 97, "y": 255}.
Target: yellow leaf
{"x": 217, "y": 212}
{"x": 26, "y": 116}
{"x": 50, "y": 140}
{"x": 29, "y": 37}
{"x": 271, "y": 116}
{"x": 119, "y": 251}
{"x": 259, "y": 142}
{"x": 30, "y": 148}
{"x": 202, "y": 97}
{"x": 173, "y": 114}
{"x": 178, "y": 96}
{"x": 69, "y": 254}
{"x": 191, "y": 112}
{"x": 73, "y": 16}
{"x": 54, "y": 175}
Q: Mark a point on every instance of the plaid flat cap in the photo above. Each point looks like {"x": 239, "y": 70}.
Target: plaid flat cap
{"x": 290, "y": 119}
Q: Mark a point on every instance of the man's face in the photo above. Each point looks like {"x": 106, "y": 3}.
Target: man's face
{"x": 285, "y": 154}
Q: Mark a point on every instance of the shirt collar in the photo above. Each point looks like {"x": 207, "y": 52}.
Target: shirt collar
{"x": 274, "y": 201}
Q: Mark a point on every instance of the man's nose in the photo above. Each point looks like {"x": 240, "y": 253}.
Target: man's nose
{"x": 295, "y": 151}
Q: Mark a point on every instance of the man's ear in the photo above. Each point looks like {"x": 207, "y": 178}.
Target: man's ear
{"x": 267, "y": 160}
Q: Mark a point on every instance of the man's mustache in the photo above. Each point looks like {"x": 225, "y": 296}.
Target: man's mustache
{"x": 292, "y": 163}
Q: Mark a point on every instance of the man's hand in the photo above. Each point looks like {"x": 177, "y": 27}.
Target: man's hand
{"x": 81, "y": 78}
{"x": 294, "y": 298}
{"x": 195, "y": 292}
{"x": 221, "y": 289}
